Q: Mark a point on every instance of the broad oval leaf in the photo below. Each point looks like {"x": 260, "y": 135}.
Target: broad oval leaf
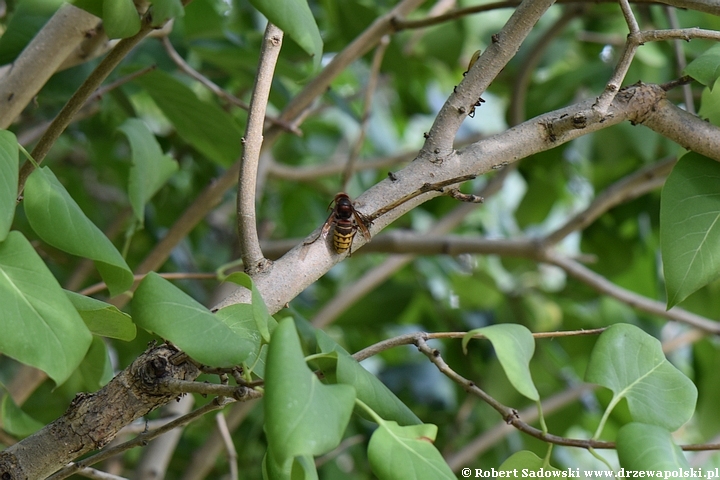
{"x": 160, "y": 307}
{"x": 150, "y": 167}
{"x": 295, "y": 19}
{"x": 59, "y": 221}
{"x": 120, "y": 18}
{"x": 514, "y": 346}
{"x": 216, "y": 135}
{"x": 8, "y": 180}
{"x": 102, "y": 318}
{"x": 406, "y": 453}
{"x": 648, "y": 447}
{"x": 303, "y": 416}
{"x": 690, "y": 226}
{"x": 39, "y": 325}
{"x": 631, "y": 363}
{"x": 705, "y": 68}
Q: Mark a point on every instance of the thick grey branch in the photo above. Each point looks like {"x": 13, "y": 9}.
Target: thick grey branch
{"x": 92, "y": 420}
{"x": 640, "y": 103}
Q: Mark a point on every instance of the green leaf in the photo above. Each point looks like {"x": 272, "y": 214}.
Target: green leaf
{"x": 160, "y": 307}
{"x": 525, "y": 460}
{"x": 240, "y": 319}
{"x": 705, "y": 68}
{"x": 265, "y": 322}
{"x": 8, "y": 180}
{"x": 648, "y": 447}
{"x": 406, "y": 453}
{"x": 301, "y": 467}
{"x": 120, "y": 18}
{"x": 102, "y": 318}
{"x": 150, "y": 168}
{"x": 514, "y": 346}
{"x": 343, "y": 368}
{"x": 631, "y": 363}
{"x": 710, "y": 105}
{"x": 58, "y": 220}
{"x": 96, "y": 370}
{"x": 205, "y": 126}
{"x": 303, "y": 416}
{"x": 14, "y": 420}
{"x": 295, "y": 19}
{"x": 39, "y": 325}
{"x": 690, "y": 226}
{"x": 164, "y": 10}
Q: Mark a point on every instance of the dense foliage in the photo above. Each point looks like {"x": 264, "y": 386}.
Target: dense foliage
{"x": 587, "y": 278}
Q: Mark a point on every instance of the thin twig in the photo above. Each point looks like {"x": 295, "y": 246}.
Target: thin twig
{"x": 632, "y": 186}
{"x": 229, "y": 446}
{"x": 633, "y": 26}
{"x": 88, "y": 472}
{"x": 634, "y": 40}
{"x": 104, "y": 90}
{"x": 99, "y": 287}
{"x": 203, "y": 458}
{"x": 412, "y": 338}
{"x": 509, "y": 415}
{"x": 155, "y": 459}
{"x": 626, "y": 58}
{"x": 425, "y": 188}
{"x": 680, "y": 60}
{"x": 216, "y": 89}
{"x": 140, "y": 440}
{"x": 606, "y": 287}
{"x": 367, "y": 104}
{"x": 452, "y": 15}
{"x": 530, "y": 61}
{"x": 252, "y": 255}
{"x": 492, "y": 436}
{"x": 238, "y": 392}
{"x": 512, "y": 416}
{"x": 79, "y": 98}
{"x": 311, "y": 173}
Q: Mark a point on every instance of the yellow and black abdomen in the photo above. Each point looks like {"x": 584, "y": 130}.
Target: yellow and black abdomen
{"x": 343, "y": 236}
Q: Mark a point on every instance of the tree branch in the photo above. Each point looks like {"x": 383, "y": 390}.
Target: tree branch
{"x": 645, "y": 104}
{"x": 252, "y": 255}
{"x": 438, "y": 144}
{"x": 92, "y": 420}
{"x": 140, "y": 440}
{"x": 67, "y": 29}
